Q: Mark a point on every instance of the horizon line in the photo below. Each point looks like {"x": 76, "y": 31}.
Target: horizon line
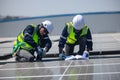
{"x": 60, "y": 15}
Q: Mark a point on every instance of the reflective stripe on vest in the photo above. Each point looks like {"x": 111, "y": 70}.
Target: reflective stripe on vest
{"x": 25, "y": 45}
{"x": 71, "y": 37}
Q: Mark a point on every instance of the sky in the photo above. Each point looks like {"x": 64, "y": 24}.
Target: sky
{"x": 32, "y": 8}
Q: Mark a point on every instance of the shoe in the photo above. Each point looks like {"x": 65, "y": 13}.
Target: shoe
{"x": 31, "y": 59}
{"x": 39, "y": 58}
{"x": 17, "y": 59}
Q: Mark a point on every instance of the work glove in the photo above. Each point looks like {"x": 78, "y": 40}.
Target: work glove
{"x": 39, "y": 53}
{"x": 85, "y": 55}
{"x": 44, "y": 50}
{"x": 39, "y": 49}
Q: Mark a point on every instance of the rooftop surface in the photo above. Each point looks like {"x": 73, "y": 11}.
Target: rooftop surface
{"x": 100, "y": 66}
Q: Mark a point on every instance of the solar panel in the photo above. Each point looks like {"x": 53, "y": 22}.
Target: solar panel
{"x": 98, "y": 67}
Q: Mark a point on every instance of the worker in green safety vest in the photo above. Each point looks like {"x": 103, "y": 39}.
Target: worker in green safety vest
{"x": 75, "y": 33}
{"x": 33, "y": 39}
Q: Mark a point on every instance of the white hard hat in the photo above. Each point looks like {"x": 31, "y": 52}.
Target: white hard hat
{"x": 48, "y": 25}
{"x": 78, "y": 22}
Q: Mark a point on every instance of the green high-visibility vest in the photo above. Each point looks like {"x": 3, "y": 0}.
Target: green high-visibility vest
{"x": 71, "y": 37}
{"x": 25, "y": 45}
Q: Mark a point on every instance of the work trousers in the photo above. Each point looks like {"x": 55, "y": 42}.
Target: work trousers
{"x": 69, "y": 48}
{"x": 24, "y": 55}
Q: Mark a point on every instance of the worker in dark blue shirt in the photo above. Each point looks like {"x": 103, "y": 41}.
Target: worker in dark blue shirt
{"x": 75, "y": 33}
{"x": 33, "y": 38}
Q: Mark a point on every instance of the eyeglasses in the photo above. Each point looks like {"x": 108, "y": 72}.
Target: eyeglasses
{"x": 45, "y": 30}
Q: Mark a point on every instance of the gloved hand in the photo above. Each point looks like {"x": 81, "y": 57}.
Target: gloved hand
{"x": 85, "y": 55}
{"x": 44, "y": 50}
{"x": 39, "y": 50}
{"x": 39, "y": 53}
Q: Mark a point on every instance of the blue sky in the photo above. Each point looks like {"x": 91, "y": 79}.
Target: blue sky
{"x": 33, "y": 8}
